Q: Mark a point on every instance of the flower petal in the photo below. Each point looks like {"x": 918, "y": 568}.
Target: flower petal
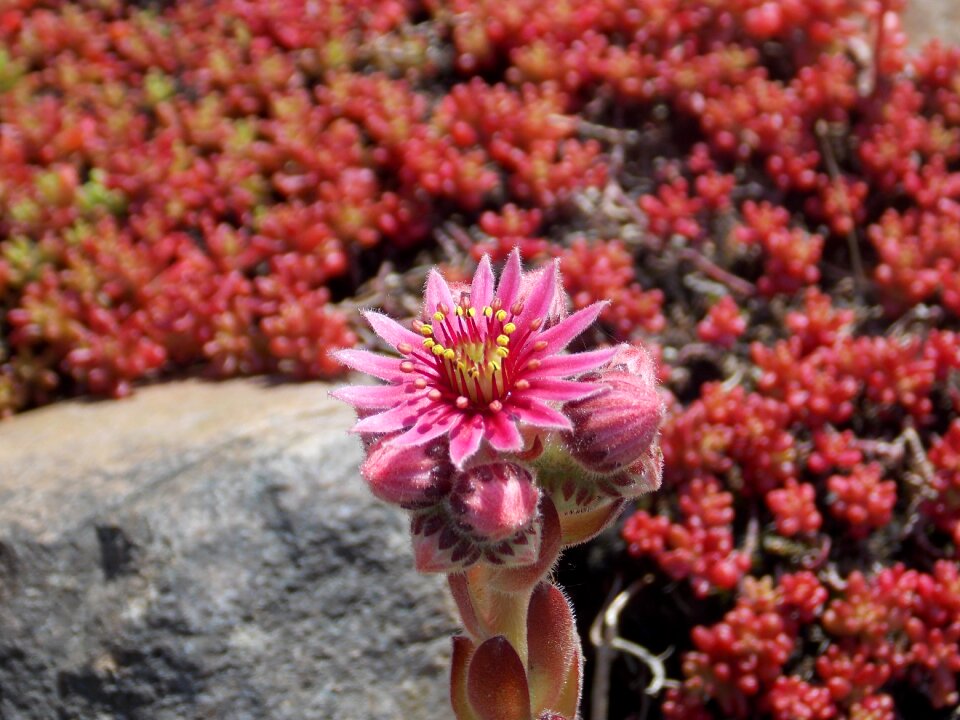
{"x": 502, "y": 433}
{"x": 384, "y": 367}
{"x": 533, "y": 412}
{"x": 481, "y": 290}
{"x": 559, "y": 390}
{"x": 560, "y": 335}
{"x": 538, "y": 301}
{"x": 398, "y": 418}
{"x": 371, "y": 397}
{"x": 427, "y": 426}
{"x": 564, "y": 365}
{"x": 392, "y": 331}
{"x": 465, "y": 439}
{"x": 510, "y": 279}
{"x": 437, "y": 293}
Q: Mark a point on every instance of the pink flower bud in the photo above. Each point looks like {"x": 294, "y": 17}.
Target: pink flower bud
{"x": 617, "y": 426}
{"x": 496, "y": 500}
{"x": 408, "y": 476}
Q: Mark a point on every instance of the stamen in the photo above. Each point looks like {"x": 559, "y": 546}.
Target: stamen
{"x": 496, "y": 406}
{"x": 463, "y": 402}
{"x": 488, "y": 311}
{"x": 533, "y": 364}
{"x": 449, "y": 354}
{"x": 522, "y": 384}
{"x": 426, "y": 330}
{"x": 419, "y": 383}
{"x": 501, "y": 315}
{"x": 460, "y": 310}
{"x": 439, "y": 316}
{"x": 536, "y": 323}
{"x": 502, "y": 352}
{"x": 434, "y": 395}
{"x": 429, "y": 343}
{"x": 503, "y": 340}
{"x": 406, "y": 366}
{"x": 516, "y": 308}
{"x": 540, "y": 345}
{"x": 509, "y": 328}
{"x": 437, "y": 350}
{"x": 405, "y": 348}
{"x": 472, "y": 312}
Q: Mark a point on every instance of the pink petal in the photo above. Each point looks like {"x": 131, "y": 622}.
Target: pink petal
{"x": 437, "y": 293}
{"x": 533, "y": 412}
{"x": 465, "y": 440}
{"x": 559, "y": 390}
{"x": 541, "y": 296}
{"x": 510, "y": 279}
{"x": 380, "y": 366}
{"x": 563, "y": 365}
{"x": 481, "y": 291}
{"x": 502, "y": 433}
{"x": 427, "y": 427}
{"x": 560, "y": 335}
{"x": 392, "y": 331}
{"x": 398, "y": 418}
{"x": 370, "y": 397}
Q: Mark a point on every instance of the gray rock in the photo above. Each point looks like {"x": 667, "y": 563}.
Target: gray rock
{"x": 924, "y": 20}
{"x": 208, "y": 551}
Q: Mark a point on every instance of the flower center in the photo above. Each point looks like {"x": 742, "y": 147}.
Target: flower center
{"x": 470, "y": 350}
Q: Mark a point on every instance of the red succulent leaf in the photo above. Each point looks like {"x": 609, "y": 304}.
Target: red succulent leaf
{"x": 581, "y": 527}
{"x": 463, "y": 650}
{"x": 497, "y": 682}
{"x": 569, "y": 699}
{"x": 551, "y": 644}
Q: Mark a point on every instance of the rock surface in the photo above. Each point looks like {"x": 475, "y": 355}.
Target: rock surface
{"x": 924, "y": 20}
{"x": 208, "y": 551}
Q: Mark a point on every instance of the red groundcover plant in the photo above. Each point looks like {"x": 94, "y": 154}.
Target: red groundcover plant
{"x": 505, "y": 449}
{"x": 766, "y": 193}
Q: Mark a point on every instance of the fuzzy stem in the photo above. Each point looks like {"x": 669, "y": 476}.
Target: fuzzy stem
{"x": 497, "y": 612}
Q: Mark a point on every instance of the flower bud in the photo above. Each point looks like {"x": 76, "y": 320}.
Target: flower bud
{"x": 496, "y": 500}
{"x": 617, "y": 426}
{"x": 408, "y": 476}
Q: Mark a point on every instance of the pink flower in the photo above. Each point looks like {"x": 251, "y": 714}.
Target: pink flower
{"x": 476, "y": 367}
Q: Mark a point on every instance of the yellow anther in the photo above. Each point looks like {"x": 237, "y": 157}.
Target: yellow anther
{"x": 449, "y": 354}
{"x": 501, "y": 315}
{"x": 437, "y": 350}
{"x": 493, "y": 366}
{"x": 503, "y": 340}
{"x": 439, "y": 316}
{"x": 426, "y": 330}
{"x": 488, "y": 311}
{"x": 472, "y": 312}
{"x": 429, "y": 343}
{"x": 460, "y": 310}
{"x": 509, "y": 329}
{"x": 502, "y": 351}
